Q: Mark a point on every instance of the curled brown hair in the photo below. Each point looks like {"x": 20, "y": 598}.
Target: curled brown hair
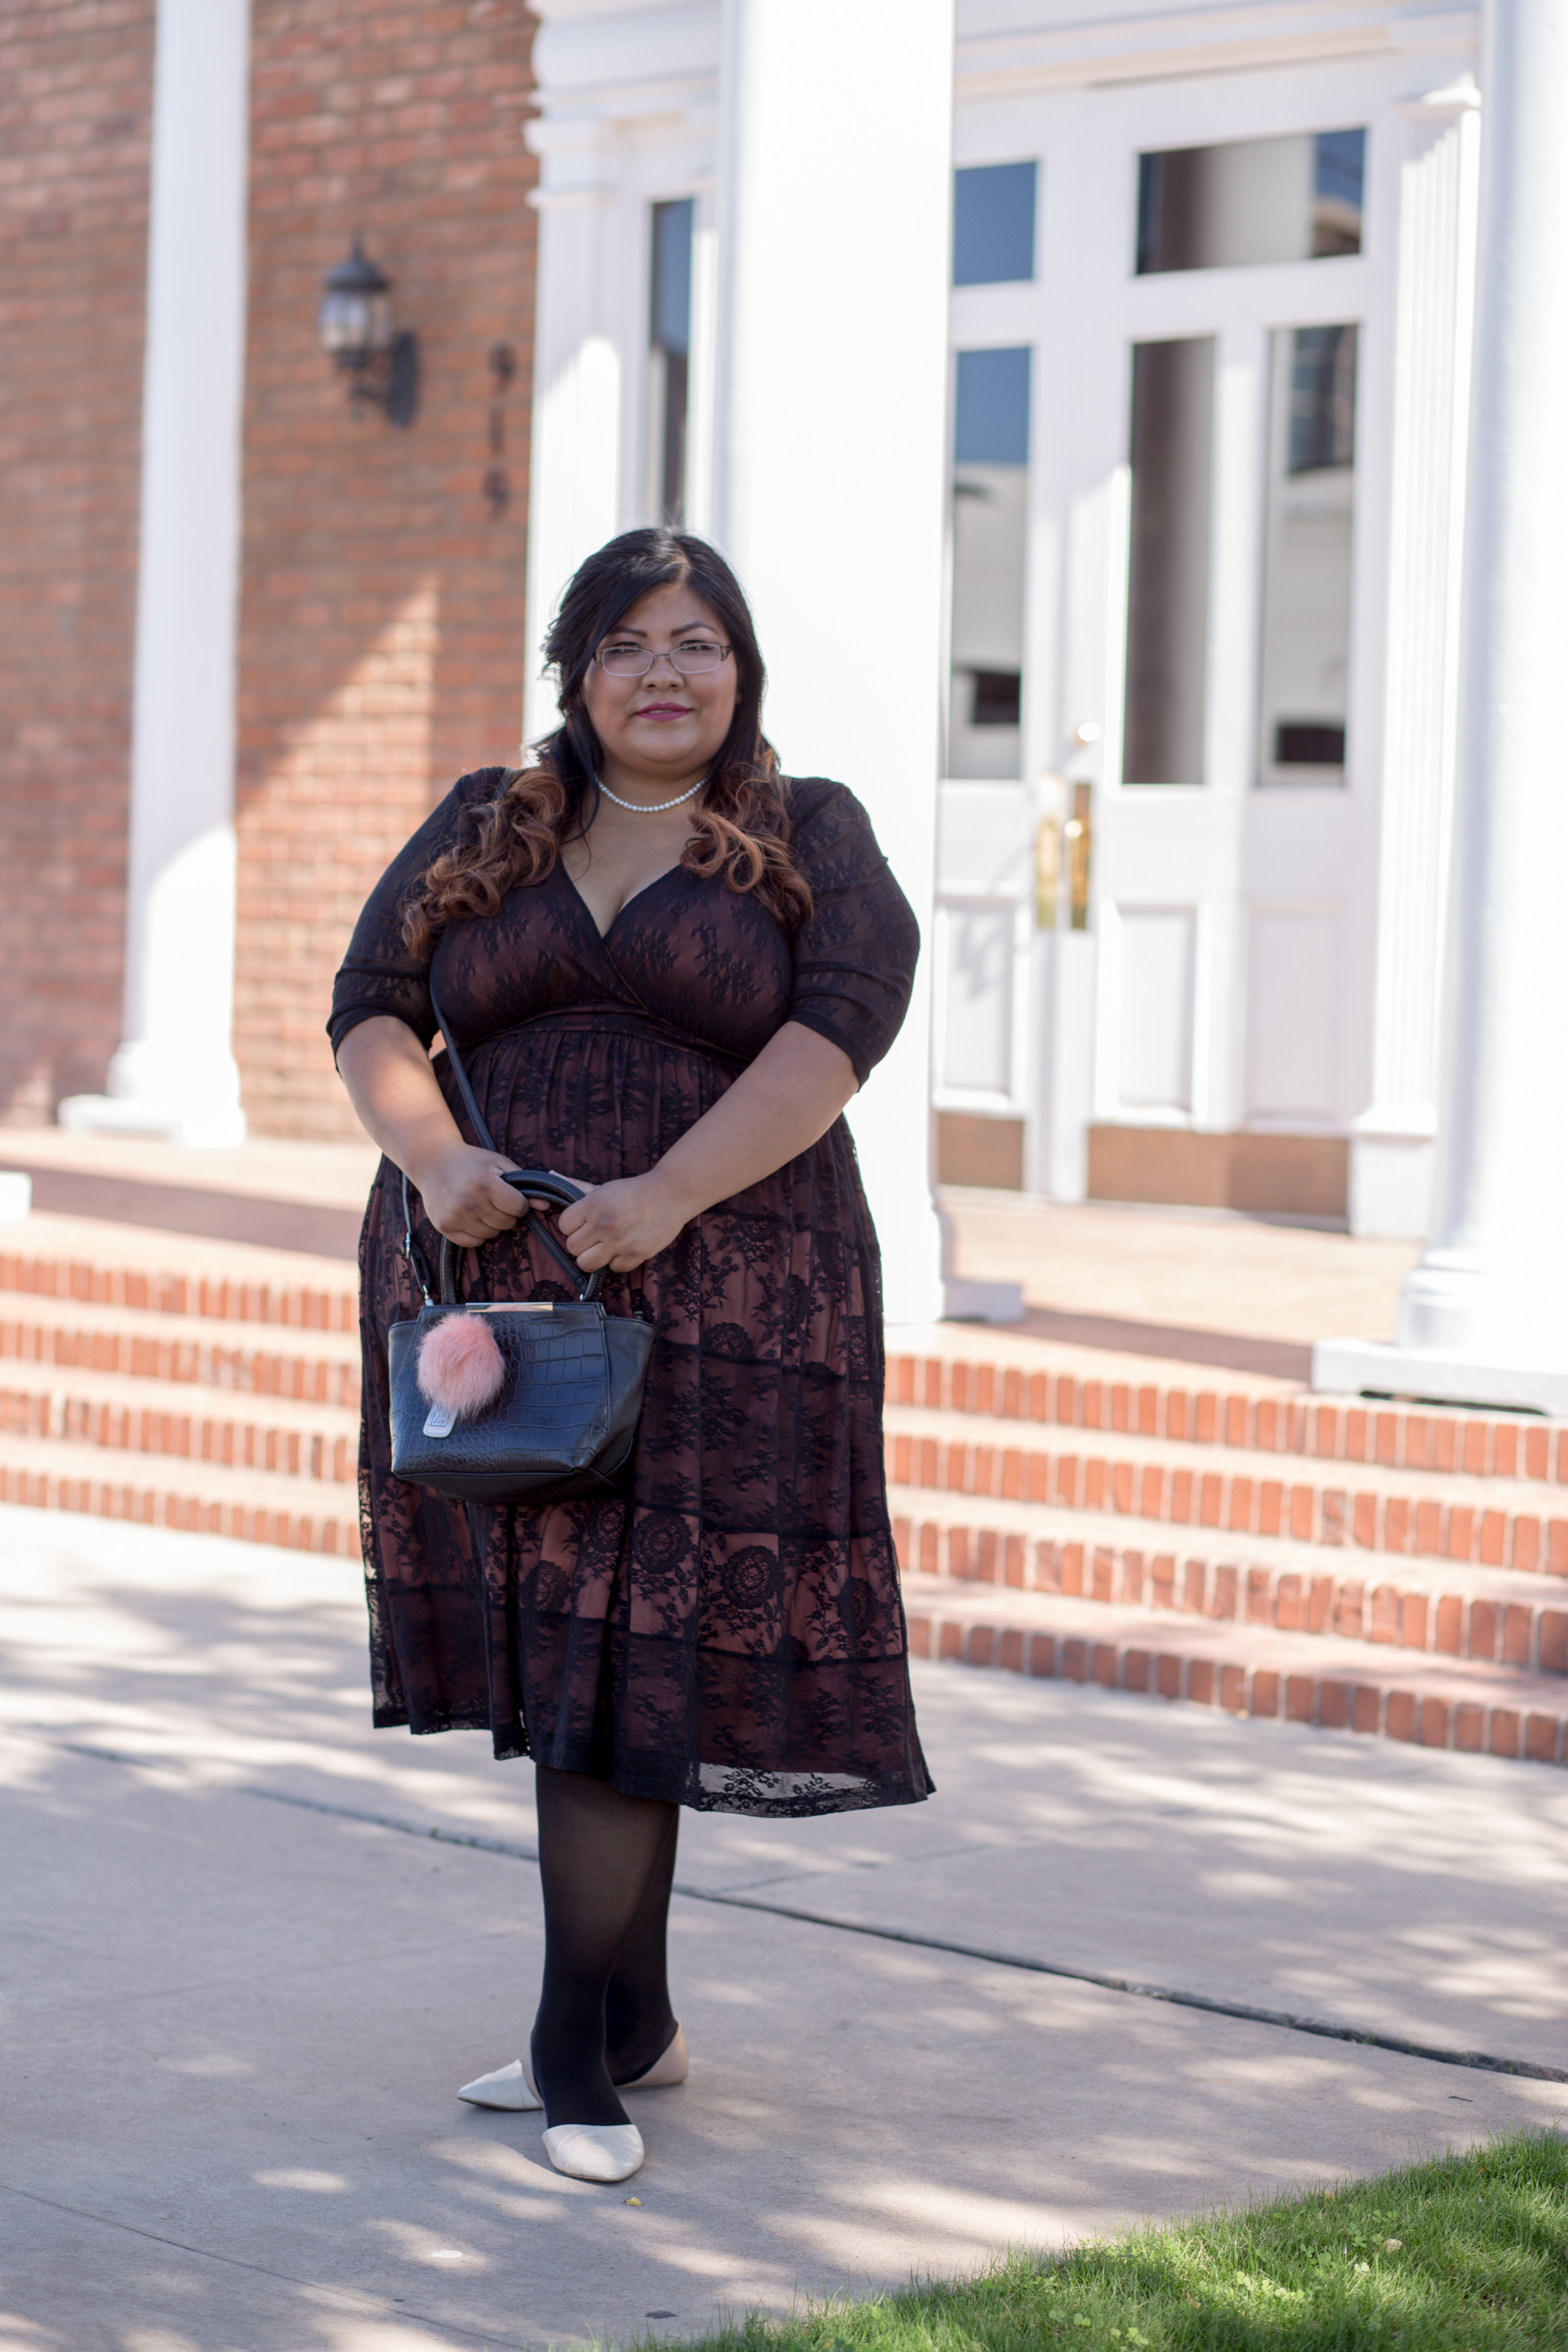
{"x": 740, "y": 825}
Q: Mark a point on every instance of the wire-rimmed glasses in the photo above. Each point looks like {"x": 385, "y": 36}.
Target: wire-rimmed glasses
{"x": 623, "y": 657}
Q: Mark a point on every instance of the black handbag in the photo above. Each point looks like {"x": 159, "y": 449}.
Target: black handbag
{"x": 565, "y": 1380}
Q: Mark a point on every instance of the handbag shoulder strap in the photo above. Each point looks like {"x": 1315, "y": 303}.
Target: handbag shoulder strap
{"x": 486, "y": 1141}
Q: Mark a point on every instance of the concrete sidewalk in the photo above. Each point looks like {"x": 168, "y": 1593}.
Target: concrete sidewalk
{"x": 237, "y": 2024}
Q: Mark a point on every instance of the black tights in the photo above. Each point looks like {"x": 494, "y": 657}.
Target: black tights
{"x": 606, "y": 1863}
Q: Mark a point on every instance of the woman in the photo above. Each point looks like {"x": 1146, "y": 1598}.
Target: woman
{"x": 667, "y": 970}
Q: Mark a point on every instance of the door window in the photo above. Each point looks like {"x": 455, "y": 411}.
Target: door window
{"x": 1251, "y": 201}
{"x": 1168, "y": 583}
{"x": 1309, "y": 527}
{"x": 990, "y": 498}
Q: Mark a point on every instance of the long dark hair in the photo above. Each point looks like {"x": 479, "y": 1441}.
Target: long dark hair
{"x": 740, "y": 824}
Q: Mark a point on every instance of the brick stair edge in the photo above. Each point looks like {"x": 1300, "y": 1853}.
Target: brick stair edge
{"x": 1225, "y": 1502}
{"x": 1456, "y": 1625}
{"x": 147, "y": 1504}
{"x": 1327, "y": 1701}
{"x": 89, "y": 1283}
{"x": 1386, "y": 1437}
{"x": 233, "y": 1368}
{"x": 173, "y": 1431}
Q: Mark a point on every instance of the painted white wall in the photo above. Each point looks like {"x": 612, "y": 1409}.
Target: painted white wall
{"x": 174, "y": 1074}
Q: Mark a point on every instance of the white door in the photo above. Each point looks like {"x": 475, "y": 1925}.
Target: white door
{"x": 1171, "y": 404}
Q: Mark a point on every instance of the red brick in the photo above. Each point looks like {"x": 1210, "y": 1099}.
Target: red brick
{"x": 1401, "y": 1715}
{"x": 1525, "y": 1547}
{"x": 1105, "y": 1664}
{"x": 1233, "y": 1689}
{"x": 920, "y": 1637}
{"x": 1333, "y": 1703}
{"x": 950, "y": 1640}
{"x": 1201, "y": 1681}
{"x": 1137, "y": 1670}
{"x": 1366, "y": 1708}
{"x": 982, "y": 1644}
{"x": 1449, "y": 1635}
{"x": 1504, "y": 1731}
{"x": 1075, "y": 1661}
{"x": 1553, "y": 1638}
{"x": 1543, "y": 1738}
{"x": 1168, "y": 1676}
{"x": 1043, "y": 1656}
{"x": 1518, "y": 1633}
{"x": 1010, "y": 1657}
{"x": 1469, "y": 1728}
{"x": 1434, "y": 1722}
{"x": 1264, "y": 1698}
{"x": 1301, "y": 1698}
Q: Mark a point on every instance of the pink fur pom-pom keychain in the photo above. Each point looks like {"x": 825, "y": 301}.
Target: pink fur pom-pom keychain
{"x": 460, "y": 1367}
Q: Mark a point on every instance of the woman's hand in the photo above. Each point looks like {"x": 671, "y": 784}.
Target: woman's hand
{"x": 622, "y": 1223}
{"x": 464, "y": 1196}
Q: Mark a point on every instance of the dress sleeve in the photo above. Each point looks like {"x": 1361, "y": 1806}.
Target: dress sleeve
{"x": 855, "y": 961}
{"x": 379, "y": 975}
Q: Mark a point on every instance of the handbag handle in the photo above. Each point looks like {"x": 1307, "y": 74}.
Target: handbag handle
{"x": 537, "y": 1180}
{"x": 560, "y": 1194}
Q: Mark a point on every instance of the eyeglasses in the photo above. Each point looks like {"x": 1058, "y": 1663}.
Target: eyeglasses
{"x": 691, "y": 657}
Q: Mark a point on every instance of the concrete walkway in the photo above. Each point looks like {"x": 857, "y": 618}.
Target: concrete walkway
{"x": 237, "y": 2024}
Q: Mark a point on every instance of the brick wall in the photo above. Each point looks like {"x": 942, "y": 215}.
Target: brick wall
{"x": 383, "y": 638}
{"x": 75, "y": 140}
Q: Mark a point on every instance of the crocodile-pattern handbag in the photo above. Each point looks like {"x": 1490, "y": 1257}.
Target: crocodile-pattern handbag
{"x": 560, "y": 1422}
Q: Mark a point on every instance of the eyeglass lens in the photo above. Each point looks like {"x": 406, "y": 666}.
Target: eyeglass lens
{"x": 691, "y": 657}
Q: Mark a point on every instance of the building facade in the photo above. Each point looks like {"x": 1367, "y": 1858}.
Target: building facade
{"x": 250, "y": 628}
{"x": 1208, "y": 334}
{"x": 1081, "y": 393}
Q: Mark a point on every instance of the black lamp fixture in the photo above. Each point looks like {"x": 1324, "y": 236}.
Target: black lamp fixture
{"x": 356, "y": 326}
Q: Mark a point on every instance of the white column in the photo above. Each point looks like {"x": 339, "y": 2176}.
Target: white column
{"x": 1391, "y": 1147}
{"x": 175, "y": 1073}
{"x": 1484, "y": 1317}
{"x": 573, "y": 472}
{"x": 835, "y": 196}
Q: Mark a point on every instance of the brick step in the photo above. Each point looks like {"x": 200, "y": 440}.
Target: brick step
{"x": 142, "y": 1343}
{"x": 1462, "y": 1612}
{"x": 204, "y": 1498}
{"x": 123, "y": 1415}
{"x": 1497, "y": 1525}
{"x": 254, "y": 1296}
{"x": 1257, "y": 1418}
{"x": 1482, "y": 1709}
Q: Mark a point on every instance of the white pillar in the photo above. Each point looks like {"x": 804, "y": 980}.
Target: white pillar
{"x": 830, "y": 471}
{"x": 175, "y": 1073}
{"x": 1484, "y": 1317}
{"x": 1392, "y": 1142}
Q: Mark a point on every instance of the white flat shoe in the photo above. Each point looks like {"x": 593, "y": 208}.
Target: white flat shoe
{"x": 594, "y": 2151}
{"x": 512, "y": 2086}
{"x": 509, "y": 2086}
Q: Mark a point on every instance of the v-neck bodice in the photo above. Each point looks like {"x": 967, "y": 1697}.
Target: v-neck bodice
{"x": 694, "y": 956}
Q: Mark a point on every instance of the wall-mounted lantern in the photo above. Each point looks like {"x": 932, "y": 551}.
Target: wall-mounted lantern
{"x": 356, "y": 326}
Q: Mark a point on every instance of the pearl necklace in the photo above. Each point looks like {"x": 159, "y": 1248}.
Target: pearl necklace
{"x": 650, "y": 808}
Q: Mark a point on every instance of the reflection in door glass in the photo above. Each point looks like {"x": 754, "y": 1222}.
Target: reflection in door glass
{"x": 670, "y": 356}
{"x": 1308, "y": 533}
{"x": 990, "y": 485}
{"x": 1168, "y": 572}
{"x": 1251, "y": 201}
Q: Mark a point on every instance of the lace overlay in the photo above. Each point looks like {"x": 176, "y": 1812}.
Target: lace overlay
{"x": 730, "y": 1636}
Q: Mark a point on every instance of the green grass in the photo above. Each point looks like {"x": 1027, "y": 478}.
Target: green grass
{"x": 1480, "y": 2265}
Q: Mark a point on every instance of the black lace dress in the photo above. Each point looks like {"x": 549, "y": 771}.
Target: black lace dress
{"x": 730, "y": 1636}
